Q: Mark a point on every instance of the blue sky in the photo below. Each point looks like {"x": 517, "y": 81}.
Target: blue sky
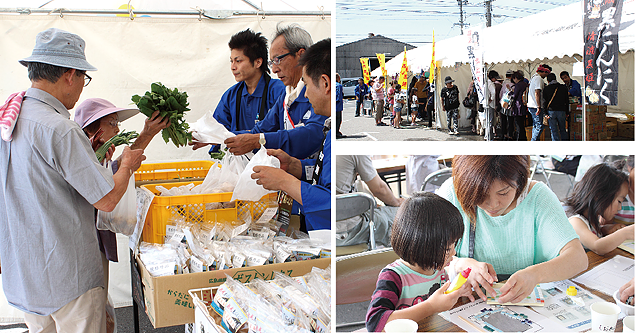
{"x": 412, "y": 21}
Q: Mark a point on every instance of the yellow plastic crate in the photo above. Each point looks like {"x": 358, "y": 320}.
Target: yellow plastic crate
{"x": 172, "y": 171}
{"x": 193, "y": 209}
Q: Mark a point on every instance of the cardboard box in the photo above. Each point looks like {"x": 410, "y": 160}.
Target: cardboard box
{"x": 611, "y": 129}
{"x": 575, "y": 107}
{"x": 625, "y": 129}
{"x": 576, "y": 116}
{"x": 575, "y": 136}
{"x": 576, "y": 127}
{"x": 166, "y": 299}
{"x": 602, "y": 136}
{"x": 591, "y": 137}
{"x": 593, "y": 109}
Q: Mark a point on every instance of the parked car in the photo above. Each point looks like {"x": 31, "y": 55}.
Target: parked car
{"x": 348, "y": 85}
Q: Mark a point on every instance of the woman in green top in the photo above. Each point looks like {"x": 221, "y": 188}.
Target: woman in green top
{"x": 518, "y": 226}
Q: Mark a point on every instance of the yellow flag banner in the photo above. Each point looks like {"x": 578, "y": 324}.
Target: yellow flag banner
{"x": 403, "y": 74}
{"x": 382, "y": 64}
{"x": 433, "y": 63}
{"x": 365, "y": 69}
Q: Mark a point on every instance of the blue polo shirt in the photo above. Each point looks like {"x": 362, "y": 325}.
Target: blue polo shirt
{"x": 299, "y": 142}
{"x": 225, "y": 112}
{"x": 316, "y": 199}
{"x": 339, "y": 97}
{"x": 575, "y": 89}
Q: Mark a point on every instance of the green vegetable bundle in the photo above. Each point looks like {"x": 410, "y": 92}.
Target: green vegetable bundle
{"x": 123, "y": 138}
{"x": 171, "y": 104}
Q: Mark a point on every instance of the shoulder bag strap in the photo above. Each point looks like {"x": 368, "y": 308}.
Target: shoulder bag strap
{"x": 263, "y": 101}
{"x": 554, "y": 95}
{"x": 239, "y": 96}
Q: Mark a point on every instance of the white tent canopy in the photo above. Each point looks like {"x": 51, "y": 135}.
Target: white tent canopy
{"x": 418, "y": 59}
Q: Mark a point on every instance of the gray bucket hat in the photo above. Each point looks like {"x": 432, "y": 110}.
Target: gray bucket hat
{"x": 60, "y": 48}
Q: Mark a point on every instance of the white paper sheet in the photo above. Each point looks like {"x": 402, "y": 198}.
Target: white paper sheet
{"x": 608, "y": 276}
{"x": 559, "y": 308}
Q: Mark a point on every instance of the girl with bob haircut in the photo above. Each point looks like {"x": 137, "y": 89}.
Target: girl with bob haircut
{"x": 513, "y": 227}
{"x": 424, "y": 233}
{"x": 594, "y": 202}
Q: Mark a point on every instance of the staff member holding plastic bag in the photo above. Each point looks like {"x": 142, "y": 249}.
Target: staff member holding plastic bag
{"x": 312, "y": 191}
{"x": 50, "y": 183}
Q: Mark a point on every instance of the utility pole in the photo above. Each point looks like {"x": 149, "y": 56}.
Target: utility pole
{"x": 461, "y": 19}
{"x": 488, "y": 12}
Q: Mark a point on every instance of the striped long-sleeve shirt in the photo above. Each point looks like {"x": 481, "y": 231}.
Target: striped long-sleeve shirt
{"x": 399, "y": 287}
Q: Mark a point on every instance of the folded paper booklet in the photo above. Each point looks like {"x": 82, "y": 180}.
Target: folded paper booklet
{"x": 534, "y": 299}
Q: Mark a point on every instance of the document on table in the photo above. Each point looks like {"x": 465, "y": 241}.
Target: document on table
{"x": 478, "y": 316}
{"x": 608, "y": 276}
{"x": 628, "y": 245}
{"x": 565, "y": 311}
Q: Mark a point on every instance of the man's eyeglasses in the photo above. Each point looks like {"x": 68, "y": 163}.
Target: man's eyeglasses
{"x": 87, "y": 79}
{"x": 276, "y": 60}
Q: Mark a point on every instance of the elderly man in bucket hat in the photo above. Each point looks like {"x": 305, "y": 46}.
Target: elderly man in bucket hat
{"x": 51, "y": 182}
{"x": 450, "y": 103}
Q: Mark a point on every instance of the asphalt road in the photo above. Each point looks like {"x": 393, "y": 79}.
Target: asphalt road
{"x": 363, "y": 129}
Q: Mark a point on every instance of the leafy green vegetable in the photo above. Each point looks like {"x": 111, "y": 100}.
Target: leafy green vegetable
{"x": 219, "y": 154}
{"x": 122, "y": 138}
{"x": 170, "y": 103}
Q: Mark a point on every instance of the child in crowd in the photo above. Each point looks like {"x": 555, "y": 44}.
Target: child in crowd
{"x": 595, "y": 200}
{"x": 424, "y": 234}
{"x": 400, "y": 100}
{"x": 414, "y": 106}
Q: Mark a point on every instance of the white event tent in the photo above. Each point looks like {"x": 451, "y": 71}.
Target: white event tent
{"x": 554, "y": 37}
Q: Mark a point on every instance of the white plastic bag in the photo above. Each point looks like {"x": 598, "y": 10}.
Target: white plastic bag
{"x": 246, "y": 188}
{"x": 123, "y": 218}
{"x": 209, "y": 130}
{"x": 223, "y": 176}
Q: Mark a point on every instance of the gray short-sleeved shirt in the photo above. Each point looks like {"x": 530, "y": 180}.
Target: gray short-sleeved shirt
{"x": 347, "y": 169}
{"x": 49, "y": 179}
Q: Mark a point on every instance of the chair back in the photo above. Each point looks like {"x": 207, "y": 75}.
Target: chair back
{"x": 353, "y": 204}
{"x": 437, "y": 178}
{"x": 356, "y": 274}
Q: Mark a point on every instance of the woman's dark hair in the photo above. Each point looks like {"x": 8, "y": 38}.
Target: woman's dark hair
{"x": 424, "y": 227}
{"x": 595, "y": 192}
{"x": 474, "y": 174}
{"x": 551, "y": 77}
{"x": 253, "y": 45}
{"x": 492, "y": 74}
{"x": 518, "y": 75}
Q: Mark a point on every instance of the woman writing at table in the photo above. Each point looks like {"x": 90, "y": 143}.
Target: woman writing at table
{"x": 513, "y": 226}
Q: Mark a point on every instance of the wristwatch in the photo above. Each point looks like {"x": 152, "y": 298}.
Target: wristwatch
{"x": 262, "y": 140}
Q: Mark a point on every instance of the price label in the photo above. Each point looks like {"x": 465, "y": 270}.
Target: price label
{"x": 169, "y": 231}
{"x": 238, "y": 260}
{"x": 267, "y": 215}
{"x": 282, "y": 254}
{"x": 196, "y": 265}
{"x": 255, "y": 261}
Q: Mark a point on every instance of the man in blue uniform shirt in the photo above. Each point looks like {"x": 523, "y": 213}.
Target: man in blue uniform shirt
{"x": 291, "y": 124}
{"x": 257, "y": 89}
{"x": 308, "y": 181}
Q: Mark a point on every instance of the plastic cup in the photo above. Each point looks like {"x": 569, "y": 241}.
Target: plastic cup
{"x": 628, "y": 324}
{"x": 401, "y": 326}
{"x": 604, "y": 316}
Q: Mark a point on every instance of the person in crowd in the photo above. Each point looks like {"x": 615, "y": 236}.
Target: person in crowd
{"x": 626, "y": 214}
{"x": 339, "y": 106}
{"x": 312, "y": 190}
{"x": 519, "y": 104}
{"x": 414, "y": 106}
{"x": 425, "y": 232}
{"x": 507, "y": 120}
{"x": 355, "y": 230}
{"x": 423, "y": 89}
{"x": 100, "y": 121}
{"x": 378, "y": 98}
{"x": 257, "y": 90}
{"x": 573, "y": 86}
{"x": 291, "y": 124}
{"x": 400, "y": 101}
{"x": 411, "y": 85}
{"x": 430, "y": 108}
{"x": 534, "y": 100}
{"x": 372, "y": 96}
{"x": 514, "y": 227}
{"x": 361, "y": 90}
{"x": 492, "y": 101}
{"x": 556, "y": 104}
{"x": 472, "y": 95}
{"x": 593, "y": 204}
{"x": 390, "y": 101}
{"x": 450, "y": 103}
{"x": 497, "y": 122}
{"x": 51, "y": 184}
